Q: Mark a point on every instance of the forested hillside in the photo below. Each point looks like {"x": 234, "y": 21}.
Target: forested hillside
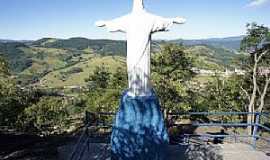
{"x": 104, "y": 47}
{"x": 51, "y": 61}
{"x": 48, "y": 84}
{"x": 232, "y": 43}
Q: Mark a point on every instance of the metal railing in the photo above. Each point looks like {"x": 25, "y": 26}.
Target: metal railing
{"x": 257, "y": 125}
{"x": 81, "y": 145}
{"x": 84, "y": 140}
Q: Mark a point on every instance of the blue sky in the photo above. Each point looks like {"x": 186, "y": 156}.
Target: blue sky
{"x": 34, "y": 19}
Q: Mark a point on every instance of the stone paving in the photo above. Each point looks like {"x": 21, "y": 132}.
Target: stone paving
{"x": 242, "y": 151}
{"x": 236, "y": 151}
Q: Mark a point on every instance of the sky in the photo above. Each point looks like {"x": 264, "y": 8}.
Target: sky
{"x": 35, "y": 19}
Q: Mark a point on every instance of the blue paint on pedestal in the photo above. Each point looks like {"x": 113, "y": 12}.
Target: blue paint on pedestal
{"x": 139, "y": 132}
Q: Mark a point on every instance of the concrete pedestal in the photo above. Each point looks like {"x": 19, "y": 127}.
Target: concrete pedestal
{"x": 139, "y": 132}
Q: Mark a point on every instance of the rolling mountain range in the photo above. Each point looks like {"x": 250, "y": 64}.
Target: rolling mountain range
{"x": 67, "y": 61}
{"x": 109, "y": 46}
{"x": 232, "y": 43}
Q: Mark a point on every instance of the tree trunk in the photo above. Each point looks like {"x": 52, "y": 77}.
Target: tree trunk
{"x": 262, "y": 98}
{"x": 253, "y": 96}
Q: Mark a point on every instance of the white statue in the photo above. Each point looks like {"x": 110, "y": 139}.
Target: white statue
{"x": 139, "y": 25}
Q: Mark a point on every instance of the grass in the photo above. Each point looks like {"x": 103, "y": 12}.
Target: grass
{"x": 44, "y": 59}
{"x": 51, "y": 65}
{"x": 54, "y": 79}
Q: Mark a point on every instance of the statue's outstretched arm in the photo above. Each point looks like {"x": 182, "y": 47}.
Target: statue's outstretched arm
{"x": 115, "y": 25}
{"x": 164, "y": 24}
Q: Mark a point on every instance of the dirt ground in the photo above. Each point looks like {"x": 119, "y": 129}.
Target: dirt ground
{"x": 30, "y": 147}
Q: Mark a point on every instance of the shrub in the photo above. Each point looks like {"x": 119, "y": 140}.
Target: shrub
{"x": 48, "y": 115}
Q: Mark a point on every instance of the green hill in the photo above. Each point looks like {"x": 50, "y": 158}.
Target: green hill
{"x": 30, "y": 62}
{"x": 212, "y": 58}
{"x": 204, "y": 58}
{"x": 62, "y": 62}
{"x": 232, "y": 43}
{"x": 15, "y": 53}
{"x": 104, "y": 47}
{"x": 75, "y": 75}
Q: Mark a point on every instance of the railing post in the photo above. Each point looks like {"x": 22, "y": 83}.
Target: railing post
{"x": 255, "y": 129}
{"x": 87, "y": 118}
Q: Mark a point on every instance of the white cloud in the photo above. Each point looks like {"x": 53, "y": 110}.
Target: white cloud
{"x": 255, "y": 3}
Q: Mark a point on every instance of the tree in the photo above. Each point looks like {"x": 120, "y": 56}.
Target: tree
{"x": 119, "y": 79}
{"x": 45, "y": 116}
{"x": 105, "y": 89}
{"x": 11, "y": 99}
{"x": 256, "y": 43}
{"x": 100, "y": 78}
{"x": 223, "y": 94}
{"x": 3, "y": 67}
{"x": 171, "y": 70}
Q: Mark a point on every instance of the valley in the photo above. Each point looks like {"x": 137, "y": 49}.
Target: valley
{"x": 56, "y": 63}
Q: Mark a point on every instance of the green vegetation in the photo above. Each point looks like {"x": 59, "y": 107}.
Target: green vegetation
{"x": 256, "y": 83}
{"x": 47, "y": 85}
{"x": 212, "y": 58}
{"x": 231, "y": 43}
{"x": 13, "y": 100}
{"x": 3, "y": 67}
{"x": 47, "y": 115}
{"x": 171, "y": 69}
{"x": 17, "y": 59}
{"x": 223, "y": 94}
{"x": 50, "y": 59}
{"x": 61, "y": 77}
{"x": 103, "y": 47}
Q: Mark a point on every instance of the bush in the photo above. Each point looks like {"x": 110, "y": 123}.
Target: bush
{"x": 48, "y": 115}
{"x": 13, "y": 101}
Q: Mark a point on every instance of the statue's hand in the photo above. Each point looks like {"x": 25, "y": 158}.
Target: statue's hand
{"x": 179, "y": 20}
{"x": 100, "y": 23}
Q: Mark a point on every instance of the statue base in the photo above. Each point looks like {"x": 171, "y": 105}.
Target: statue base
{"x": 139, "y": 132}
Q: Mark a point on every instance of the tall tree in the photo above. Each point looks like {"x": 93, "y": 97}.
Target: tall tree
{"x": 105, "y": 89}
{"x": 13, "y": 100}
{"x": 171, "y": 70}
{"x": 256, "y": 43}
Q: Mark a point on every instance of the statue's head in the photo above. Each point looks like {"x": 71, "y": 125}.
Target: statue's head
{"x": 138, "y": 5}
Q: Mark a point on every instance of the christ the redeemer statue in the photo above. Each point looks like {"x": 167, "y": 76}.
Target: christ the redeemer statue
{"x": 138, "y": 131}
{"x": 139, "y": 25}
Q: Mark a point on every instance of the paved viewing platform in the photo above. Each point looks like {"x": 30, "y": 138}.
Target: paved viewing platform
{"x": 237, "y": 151}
